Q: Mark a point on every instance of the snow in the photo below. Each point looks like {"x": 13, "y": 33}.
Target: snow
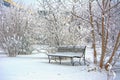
{"x": 36, "y": 67}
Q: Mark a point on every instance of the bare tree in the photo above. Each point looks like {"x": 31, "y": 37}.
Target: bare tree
{"x": 13, "y": 28}
{"x": 104, "y": 22}
{"x": 62, "y": 27}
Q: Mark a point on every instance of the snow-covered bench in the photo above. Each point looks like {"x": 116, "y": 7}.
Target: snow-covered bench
{"x": 68, "y": 52}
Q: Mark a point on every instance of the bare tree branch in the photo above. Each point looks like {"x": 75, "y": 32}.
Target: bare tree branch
{"x": 112, "y": 7}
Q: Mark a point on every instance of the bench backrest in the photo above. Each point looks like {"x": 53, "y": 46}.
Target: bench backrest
{"x": 71, "y": 49}
{"x": 75, "y": 49}
{"x": 65, "y": 49}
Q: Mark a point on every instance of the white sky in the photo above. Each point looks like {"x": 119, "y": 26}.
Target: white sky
{"x": 27, "y": 2}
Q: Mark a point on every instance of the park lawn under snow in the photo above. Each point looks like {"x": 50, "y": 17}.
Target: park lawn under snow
{"x": 36, "y": 67}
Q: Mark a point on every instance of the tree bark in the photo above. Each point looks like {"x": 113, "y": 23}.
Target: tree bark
{"x": 103, "y": 37}
{"x": 93, "y": 33}
{"x": 114, "y": 50}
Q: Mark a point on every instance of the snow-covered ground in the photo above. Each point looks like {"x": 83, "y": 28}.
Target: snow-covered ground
{"x": 36, "y": 67}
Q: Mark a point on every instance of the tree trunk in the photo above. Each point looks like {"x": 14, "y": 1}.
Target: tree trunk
{"x": 103, "y": 37}
{"x": 93, "y": 33}
{"x": 114, "y": 50}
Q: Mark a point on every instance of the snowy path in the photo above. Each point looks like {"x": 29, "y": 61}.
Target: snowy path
{"x": 36, "y": 67}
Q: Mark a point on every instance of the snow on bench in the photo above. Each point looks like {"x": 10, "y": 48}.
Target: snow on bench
{"x": 68, "y": 52}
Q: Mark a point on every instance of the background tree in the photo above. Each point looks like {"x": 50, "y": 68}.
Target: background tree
{"x": 102, "y": 16}
{"x": 14, "y": 23}
{"x": 62, "y": 28}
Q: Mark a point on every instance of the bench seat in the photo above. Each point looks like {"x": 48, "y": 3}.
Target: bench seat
{"x": 68, "y": 53}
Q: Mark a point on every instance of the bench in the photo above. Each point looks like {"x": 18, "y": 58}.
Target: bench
{"x": 68, "y": 52}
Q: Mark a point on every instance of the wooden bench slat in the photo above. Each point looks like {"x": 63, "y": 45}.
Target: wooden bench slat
{"x": 76, "y": 53}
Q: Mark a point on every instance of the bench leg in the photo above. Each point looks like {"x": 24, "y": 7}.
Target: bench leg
{"x": 49, "y": 58}
{"x": 84, "y": 61}
{"x": 60, "y": 59}
{"x": 72, "y": 62}
{"x": 80, "y": 61}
